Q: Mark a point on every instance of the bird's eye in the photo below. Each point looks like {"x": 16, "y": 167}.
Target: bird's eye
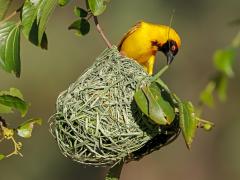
{"x": 173, "y": 48}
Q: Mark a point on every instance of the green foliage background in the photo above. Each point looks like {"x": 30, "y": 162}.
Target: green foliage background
{"x": 203, "y": 26}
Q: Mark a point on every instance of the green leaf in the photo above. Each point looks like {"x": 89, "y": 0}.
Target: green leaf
{"x": 156, "y": 102}
{"x": 13, "y": 92}
{"x": 82, "y": 26}
{"x": 35, "y": 15}
{"x": 2, "y": 156}
{"x": 25, "y": 129}
{"x": 206, "y": 95}
{"x": 221, "y": 86}
{"x": 208, "y": 126}
{"x": 155, "y": 111}
{"x": 10, "y": 47}
{"x": 14, "y": 102}
{"x": 163, "y": 99}
{"x": 79, "y": 12}
{"x": 163, "y": 85}
{"x": 44, "y": 42}
{"x": 5, "y": 109}
{"x": 166, "y": 93}
{"x": 224, "y": 59}
{"x": 12, "y": 51}
{"x": 141, "y": 101}
{"x": 97, "y": 6}
{"x": 29, "y": 20}
{"x": 4, "y": 5}
{"x": 188, "y": 122}
{"x": 44, "y": 11}
{"x": 63, "y": 2}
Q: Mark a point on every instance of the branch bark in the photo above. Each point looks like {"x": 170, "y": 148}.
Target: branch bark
{"x": 101, "y": 32}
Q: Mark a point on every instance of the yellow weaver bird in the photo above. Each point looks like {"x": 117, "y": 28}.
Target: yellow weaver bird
{"x": 143, "y": 40}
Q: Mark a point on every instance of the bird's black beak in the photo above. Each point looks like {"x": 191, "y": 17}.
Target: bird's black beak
{"x": 169, "y": 49}
{"x": 170, "y": 57}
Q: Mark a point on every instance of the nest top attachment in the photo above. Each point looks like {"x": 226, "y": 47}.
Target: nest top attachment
{"x": 97, "y": 121}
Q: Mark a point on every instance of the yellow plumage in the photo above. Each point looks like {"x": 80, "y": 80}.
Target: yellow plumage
{"x": 143, "y": 41}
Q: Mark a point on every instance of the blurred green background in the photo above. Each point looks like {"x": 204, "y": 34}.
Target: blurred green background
{"x": 203, "y": 27}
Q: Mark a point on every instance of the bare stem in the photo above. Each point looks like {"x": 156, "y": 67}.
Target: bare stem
{"x": 99, "y": 29}
{"x": 156, "y": 76}
{"x": 90, "y": 16}
{"x": 115, "y": 171}
{"x": 101, "y": 32}
{"x": 8, "y": 17}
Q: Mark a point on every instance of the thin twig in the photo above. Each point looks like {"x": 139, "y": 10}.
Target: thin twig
{"x": 90, "y": 16}
{"x": 17, "y": 147}
{"x": 99, "y": 29}
{"x": 8, "y": 17}
{"x": 101, "y": 32}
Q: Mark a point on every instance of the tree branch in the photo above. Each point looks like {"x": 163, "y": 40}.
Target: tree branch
{"x": 99, "y": 29}
{"x": 101, "y": 32}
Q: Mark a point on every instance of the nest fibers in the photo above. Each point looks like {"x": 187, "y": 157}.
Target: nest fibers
{"x": 97, "y": 121}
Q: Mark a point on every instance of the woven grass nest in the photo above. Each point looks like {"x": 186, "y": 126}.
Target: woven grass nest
{"x": 97, "y": 121}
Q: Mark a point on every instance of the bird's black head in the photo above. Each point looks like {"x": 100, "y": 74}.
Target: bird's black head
{"x": 170, "y": 49}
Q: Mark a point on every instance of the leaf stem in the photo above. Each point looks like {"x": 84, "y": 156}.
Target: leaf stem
{"x": 101, "y": 32}
{"x": 156, "y": 76}
{"x": 9, "y": 17}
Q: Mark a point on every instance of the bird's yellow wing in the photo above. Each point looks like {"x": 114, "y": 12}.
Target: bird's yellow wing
{"x": 132, "y": 30}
